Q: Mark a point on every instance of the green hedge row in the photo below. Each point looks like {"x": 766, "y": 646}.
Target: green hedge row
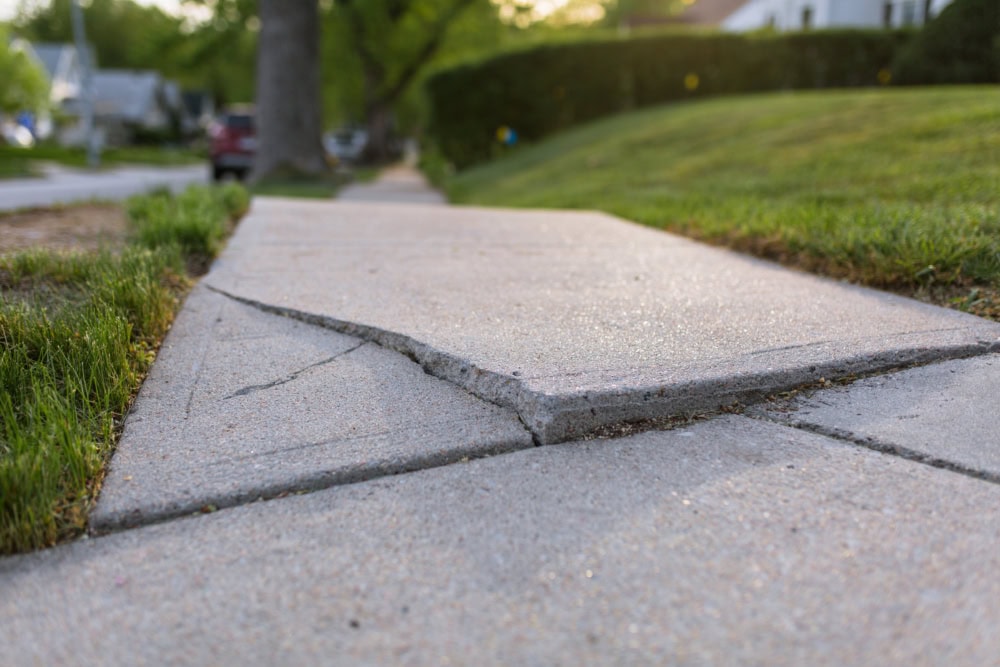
{"x": 548, "y": 88}
{"x": 961, "y": 45}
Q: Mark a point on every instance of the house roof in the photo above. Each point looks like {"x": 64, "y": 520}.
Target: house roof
{"x": 51, "y": 55}
{"x": 126, "y": 94}
{"x": 710, "y": 12}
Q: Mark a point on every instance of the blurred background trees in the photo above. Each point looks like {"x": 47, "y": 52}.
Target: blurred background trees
{"x": 24, "y": 85}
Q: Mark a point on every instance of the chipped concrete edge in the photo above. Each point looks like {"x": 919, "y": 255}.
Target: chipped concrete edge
{"x": 553, "y": 419}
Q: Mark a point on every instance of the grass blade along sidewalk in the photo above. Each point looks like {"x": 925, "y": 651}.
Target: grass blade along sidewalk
{"x": 896, "y": 188}
{"x": 77, "y": 333}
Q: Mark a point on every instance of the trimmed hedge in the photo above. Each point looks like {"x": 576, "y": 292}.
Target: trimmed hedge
{"x": 552, "y": 87}
{"x": 961, "y": 45}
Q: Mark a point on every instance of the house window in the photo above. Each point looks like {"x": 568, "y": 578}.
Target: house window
{"x": 909, "y": 12}
{"x": 887, "y": 15}
{"x": 807, "y": 17}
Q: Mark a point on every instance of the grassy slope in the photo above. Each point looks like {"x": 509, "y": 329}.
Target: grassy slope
{"x": 873, "y": 185}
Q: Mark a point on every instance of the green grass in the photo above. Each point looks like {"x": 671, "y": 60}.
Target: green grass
{"x": 299, "y": 189}
{"x": 13, "y": 166}
{"x": 890, "y": 188}
{"x": 20, "y": 162}
{"x": 320, "y": 187}
{"x": 77, "y": 333}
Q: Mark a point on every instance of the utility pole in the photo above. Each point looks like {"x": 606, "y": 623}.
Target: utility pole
{"x": 83, "y": 53}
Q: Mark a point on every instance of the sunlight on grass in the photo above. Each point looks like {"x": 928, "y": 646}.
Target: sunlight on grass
{"x": 875, "y": 186}
{"x": 77, "y": 333}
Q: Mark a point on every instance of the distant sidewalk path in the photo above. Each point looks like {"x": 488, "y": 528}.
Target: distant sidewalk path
{"x": 400, "y": 183}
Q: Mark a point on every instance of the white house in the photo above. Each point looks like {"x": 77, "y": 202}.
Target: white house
{"x": 127, "y": 101}
{"x": 818, "y": 14}
{"x": 63, "y": 67}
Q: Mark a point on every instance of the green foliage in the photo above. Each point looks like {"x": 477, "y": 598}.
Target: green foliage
{"x": 195, "y": 221}
{"x": 218, "y": 56}
{"x": 24, "y": 85}
{"x": 72, "y": 353}
{"x": 961, "y": 45}
{"x": 77, "y": 333}
{"x": 473, "y": 32}
{"x": 548, "y": 88}
{"x": 884, "y": 187}
{"x": 124, "y": 34}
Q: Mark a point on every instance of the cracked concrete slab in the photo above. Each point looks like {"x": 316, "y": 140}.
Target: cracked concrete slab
{"x": 575, "y": 320}
{"x": 732, "y": 541}
{"x": 242, "y": 404}
{"x": 944, "y": 413}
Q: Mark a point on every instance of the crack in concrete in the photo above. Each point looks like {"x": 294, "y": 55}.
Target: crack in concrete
{"x": 552, "y": 419}
{"x": 291, "y": 377}
{"x": 881, "y": 447}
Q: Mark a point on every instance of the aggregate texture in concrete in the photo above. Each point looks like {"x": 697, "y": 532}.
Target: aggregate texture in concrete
{"x": 578, "y": 321}
{"x": 243, "y": 404}
{"x": 945, "y": 414}
{"x": 732, "y": 541}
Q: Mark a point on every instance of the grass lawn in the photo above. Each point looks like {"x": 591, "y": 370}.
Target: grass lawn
{"x": 19, "y": 162}
{"x": 325, "y": 187}
{"x": 297, "y": 189}
{"x": 895, "y": 188}
{"x": 77, "y": 333}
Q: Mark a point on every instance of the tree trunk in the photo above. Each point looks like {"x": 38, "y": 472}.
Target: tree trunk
{"x": 378, "y": 121}
{"x": 289, "y": 130}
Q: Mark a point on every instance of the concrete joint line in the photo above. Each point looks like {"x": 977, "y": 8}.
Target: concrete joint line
{"x": 552, "y": 419}
{"x": 302, "y": 484}
{"x": 884, "y": 448}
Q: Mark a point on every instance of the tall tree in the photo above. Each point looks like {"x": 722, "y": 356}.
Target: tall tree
{"x": 289, "y": 113}
{"x": 393, "y": 41}
{"x": 124, "y": 34}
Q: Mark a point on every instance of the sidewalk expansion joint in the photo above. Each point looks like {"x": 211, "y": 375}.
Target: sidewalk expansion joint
{"x": 884, "y": 448}
{"x": 305, "y": 484}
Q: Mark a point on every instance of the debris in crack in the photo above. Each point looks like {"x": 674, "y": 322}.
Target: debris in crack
{"x": 293, "y": 376}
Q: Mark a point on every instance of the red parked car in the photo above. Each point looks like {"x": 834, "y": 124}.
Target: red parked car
{"x": 233, "y": 143}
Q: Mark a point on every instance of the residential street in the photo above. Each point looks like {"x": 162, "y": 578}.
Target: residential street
{"x": 62, "y": 185}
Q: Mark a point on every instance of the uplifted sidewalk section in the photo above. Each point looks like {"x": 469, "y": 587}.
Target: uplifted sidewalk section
{"x": 243, "y": 405}
{"x": 577, "y": 321}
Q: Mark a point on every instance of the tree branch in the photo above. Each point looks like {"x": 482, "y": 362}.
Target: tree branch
{"x": 426, "y": 53}
{"x": 369, "y": 63}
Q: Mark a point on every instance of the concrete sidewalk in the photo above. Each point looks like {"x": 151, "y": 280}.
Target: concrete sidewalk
{"x": 741, "y": 464}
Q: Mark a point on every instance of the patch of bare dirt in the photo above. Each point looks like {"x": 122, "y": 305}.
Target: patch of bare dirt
{"x": 87, "y": 227}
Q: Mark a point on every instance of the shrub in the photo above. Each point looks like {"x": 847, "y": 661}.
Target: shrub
{"x": 961, "y": 45}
